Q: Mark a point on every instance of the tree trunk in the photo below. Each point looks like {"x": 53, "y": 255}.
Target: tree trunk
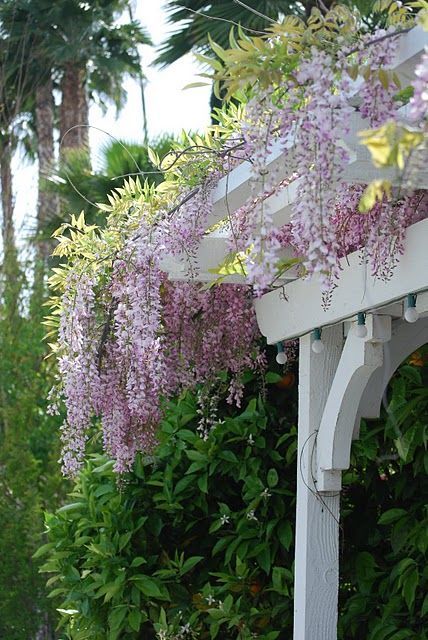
{"x": 47, "y": 203}
{"x": 74, "y": 110}
{"x": 7, "y": 227}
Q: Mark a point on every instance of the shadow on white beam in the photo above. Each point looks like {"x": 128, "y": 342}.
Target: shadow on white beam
{"x": 282, "y": 317}
{"x": 406, "y": 338}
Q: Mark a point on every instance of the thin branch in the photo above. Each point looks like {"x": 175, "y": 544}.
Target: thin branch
{"x": 206, "y": 15}
{"x": 257, "y": 13}
{"x": 381, "y": 39}
{"x": 323, "y": 7}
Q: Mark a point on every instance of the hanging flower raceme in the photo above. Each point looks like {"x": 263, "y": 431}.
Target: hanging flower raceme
{"x": 380, "y": 233}
{"x": 158, "y": 338}
{"x": 377, "y": 92}
{"x": 320, "y": 126}
{"x": 253, "y": 221}
{"x": 77, "y": 364}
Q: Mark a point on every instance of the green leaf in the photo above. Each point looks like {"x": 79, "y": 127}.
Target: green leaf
{"x": 190, "y": 563}
{"x": 424, "y": 609}
{"x": 405, "y": 443}
{"x": 233, "y": 264}
{"x": 107, "y": 466}
{"x": 138, "y": 561}
{"x": 264, "y": 558}
{"x": 194, "y": 85}
{"x": 71, "y": 507}
{"x": 409, "y": 588}
{"x": 272, "y": 378}
{"x": 203, "y": 483}
{"x": 272, "y": 478}
{"x": 373, "y": 193}
{"x": 134, "y": 619}
{"x": 402, "y": 635}
{"x": 43, "y": 550}
{"x": 279, "y": 580}
{"x": 365, "y": 566}
{"x": 117, "y": 616}
{"x": 285, "y": 534}
{"x": 68, "y": 612}
{"x": 148, "y": 586}
{"x": 391, "y": 516}
{"x": 196, "y": 456}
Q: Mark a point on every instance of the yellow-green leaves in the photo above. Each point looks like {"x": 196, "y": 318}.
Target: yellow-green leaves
{"x": 397, "y": 13}
{"x": 391, "y": 144}
{"x": 423, "y": 13}
{"x": 233, "y": 264}
{"x": 373, "y": 193}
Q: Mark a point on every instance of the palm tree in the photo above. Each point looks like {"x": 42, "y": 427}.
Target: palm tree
{"x": 16, "y": 88}
{"x": 80, "y": 50}
{"x": 79, "y": 187}
{"x": 198, "y": 18}
{"x": 86, "y": 51}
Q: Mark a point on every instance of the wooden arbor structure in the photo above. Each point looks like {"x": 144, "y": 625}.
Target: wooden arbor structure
{"x": 347, "y": 380}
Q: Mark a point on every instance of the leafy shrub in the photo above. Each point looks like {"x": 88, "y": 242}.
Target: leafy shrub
{"x": 200, "y": 535}
{"x": 198, "y": 541}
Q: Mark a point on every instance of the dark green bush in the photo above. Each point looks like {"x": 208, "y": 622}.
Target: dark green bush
{"x": 201, "y": 534}
{"x": 384, "y": 569}
{"x": 198, "y": 540}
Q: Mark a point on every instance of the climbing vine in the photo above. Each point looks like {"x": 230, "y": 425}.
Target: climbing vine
{"x": 129, "y": 338}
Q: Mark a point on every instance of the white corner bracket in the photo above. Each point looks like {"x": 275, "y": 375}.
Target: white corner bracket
{"x": 360, "y": 358}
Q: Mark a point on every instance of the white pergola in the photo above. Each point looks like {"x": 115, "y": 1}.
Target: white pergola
{"x": 347, "y": 380}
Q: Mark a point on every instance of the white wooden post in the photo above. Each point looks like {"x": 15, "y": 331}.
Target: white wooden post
{"x": 316, "y": 570}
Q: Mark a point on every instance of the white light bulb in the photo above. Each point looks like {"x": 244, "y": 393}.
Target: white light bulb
{"x": 317, "y": 346}
{"x": 361, "y": 330}
{"x": 411, "y": 315}
{"x": 281, "y": 358}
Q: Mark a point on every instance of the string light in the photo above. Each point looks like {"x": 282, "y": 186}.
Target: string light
{"x": 317, "y": 344}
{"x": 281, "y": 356}
{"x": 361, "y": 329}
{"x": 411, "y": 314}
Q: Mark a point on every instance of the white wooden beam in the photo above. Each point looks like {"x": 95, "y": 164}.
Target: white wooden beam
{"x": 234, "y": 190}
{"x": 316, "y": 571}
{"x": 299, "y": 311}
{"x": 411, "y": 46}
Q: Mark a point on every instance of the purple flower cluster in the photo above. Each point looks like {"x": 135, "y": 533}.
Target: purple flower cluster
{"x": 77, "y": 367}
{"x": 159, "y": 338}
{"x": 254, "y": 222}
{"x": 377, "y": 92}
{"x": 380, "y": 233}
{"x": 322, "y": 122}
{"x": 127, "y": 346}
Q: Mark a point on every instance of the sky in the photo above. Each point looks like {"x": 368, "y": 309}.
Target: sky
{"x": 169, "y": 108}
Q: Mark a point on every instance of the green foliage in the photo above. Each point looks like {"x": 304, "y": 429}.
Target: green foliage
{"x": 202, "y": 532}
{"x": 80, "y": 187}
{"x": 216, "y": 18}
{"x": 264, "y": 60}
{"x": 199, "y": 534}
{"x": 386, "y": 567}
{"x": 30, "y": 481}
